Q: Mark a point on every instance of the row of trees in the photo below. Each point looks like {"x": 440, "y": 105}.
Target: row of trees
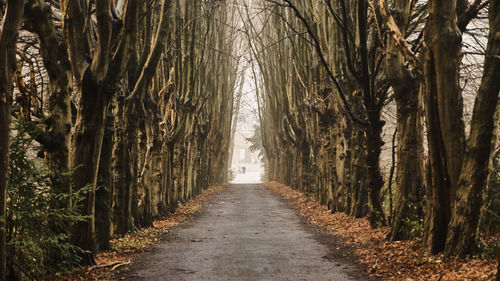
{"x": 129, "y": 103}
{"x": 329, "y": 70}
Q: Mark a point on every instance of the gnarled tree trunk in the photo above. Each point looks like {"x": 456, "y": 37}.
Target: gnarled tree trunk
{"x": 9, "y": 31}
{"x": 462, "y": 238}
{"x": 444, "y": 118}
{"x": 406, "y": 86}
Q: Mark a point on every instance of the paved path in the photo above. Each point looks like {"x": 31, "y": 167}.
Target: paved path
{"x": 243, "y": 233}
{"x": 247, "y": 178}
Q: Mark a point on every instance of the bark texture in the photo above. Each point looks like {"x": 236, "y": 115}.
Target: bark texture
{"x": 9, "y": 30}
{"x": 462, "y": 235}
{"x": 405, "y": 82}
{"x": 444, "y": 118}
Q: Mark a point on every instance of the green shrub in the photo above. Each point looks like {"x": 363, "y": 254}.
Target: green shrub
{"x": 230, "y": 175}
{"x": 38, "y": 219}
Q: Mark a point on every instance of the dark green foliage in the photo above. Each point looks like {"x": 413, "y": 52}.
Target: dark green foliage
{"x": 37, "y": 215}
{"x": 256, "y": 141}
{"x": 414, "y": 227}
{"x": 230, "y": 175}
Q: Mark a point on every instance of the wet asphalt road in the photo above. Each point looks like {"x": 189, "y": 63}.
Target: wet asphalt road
{"x": 243, "y": 233}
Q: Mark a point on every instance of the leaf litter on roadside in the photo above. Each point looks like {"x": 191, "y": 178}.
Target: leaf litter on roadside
{"x": 125, "y": 248}
{"x": 401, "y": 260}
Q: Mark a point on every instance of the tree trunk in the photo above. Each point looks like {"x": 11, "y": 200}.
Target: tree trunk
{"x": 358, "y": 174}
{"x": 498, "y": 271}
{"x": 98, "y": 83}
{"x": 375, "y": 181}
{"x": 444, "y": 117}
{"x": 406, "y": 84}
{"x": 437, "y": 180}
{"x": 462, "y": 236}
{"x": 9, "y": 30}
{"x": 374, "y": 127}
{"x": 236, "y": 113}
{"x": 122, "y": 165}
{"x": 409, "y": 177}
{"x": 57, "y": 141}
{"x": 88, "y": 137}
{"x": 104, "y": 191}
